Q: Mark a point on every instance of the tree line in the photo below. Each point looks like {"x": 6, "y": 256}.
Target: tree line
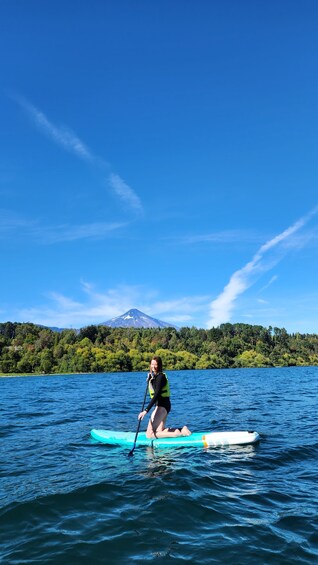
{"x": 29, "y": 348}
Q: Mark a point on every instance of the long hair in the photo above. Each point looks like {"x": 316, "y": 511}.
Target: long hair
{"x": 159, "y": 362}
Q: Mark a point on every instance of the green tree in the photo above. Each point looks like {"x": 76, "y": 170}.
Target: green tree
{"x": 46, "y": 361}
{"x": 185, "y": 360}
{"x": 251, "y": 358}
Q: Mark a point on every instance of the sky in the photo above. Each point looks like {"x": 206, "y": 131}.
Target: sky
{"x": 159, "y": 155}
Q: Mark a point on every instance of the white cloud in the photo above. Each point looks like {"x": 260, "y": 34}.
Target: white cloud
{"x": 97, "y": 230}
{"x": 222, "y": 237}
{"x": 13, "y": 222}
{"x": 65, "y": 312}
{"x": 61, "y": 135}
{"x": 10, "y": 223}
{"x": 98, "y": 307}
{"x": 124, "y": 191}
{"x": 270, "y": 282}
{"x": 67, "y": 139}
{"x": 63, "y": 302}
{"x": 190, "y": 306}
{"x": 222, "y": 307}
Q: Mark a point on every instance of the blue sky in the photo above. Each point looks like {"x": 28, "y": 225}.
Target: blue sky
{"x": 159, "y": 155}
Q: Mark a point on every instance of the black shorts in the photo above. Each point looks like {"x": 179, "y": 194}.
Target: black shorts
{"x": 165, "y": 403}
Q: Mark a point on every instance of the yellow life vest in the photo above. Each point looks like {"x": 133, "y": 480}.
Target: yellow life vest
{"x": 165, "y": 391}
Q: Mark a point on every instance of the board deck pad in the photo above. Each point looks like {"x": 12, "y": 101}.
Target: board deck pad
{"x": 196, "y": 439}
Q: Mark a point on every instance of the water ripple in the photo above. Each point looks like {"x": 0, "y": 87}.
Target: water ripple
{"x": 65, "y": 499}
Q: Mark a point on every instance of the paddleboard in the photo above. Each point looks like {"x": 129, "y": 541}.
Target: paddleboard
{"x": 196, "y": 439}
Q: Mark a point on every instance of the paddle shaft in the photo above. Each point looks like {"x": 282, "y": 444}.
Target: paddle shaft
{"x": 131, "y": 452}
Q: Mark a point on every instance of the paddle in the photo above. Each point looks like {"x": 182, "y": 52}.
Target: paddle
{"x": 131, "y": 452}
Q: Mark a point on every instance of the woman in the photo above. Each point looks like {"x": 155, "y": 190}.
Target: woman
{"x": 160, "y": 397}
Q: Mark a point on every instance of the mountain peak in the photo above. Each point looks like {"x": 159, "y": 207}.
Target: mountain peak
{"x": 134, "y": 318}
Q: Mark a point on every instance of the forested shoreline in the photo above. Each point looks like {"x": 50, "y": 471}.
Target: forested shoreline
{"x": 28, "y": 348}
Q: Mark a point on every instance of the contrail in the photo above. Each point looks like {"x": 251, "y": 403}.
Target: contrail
{"x": 61, "y": 135}
{"x": 124, "y": 191}
{"x": 222, "y": 307}
{"x": 67, "y": 139}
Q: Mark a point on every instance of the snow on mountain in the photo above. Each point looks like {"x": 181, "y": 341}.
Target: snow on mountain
{"x": 136, "y": 319}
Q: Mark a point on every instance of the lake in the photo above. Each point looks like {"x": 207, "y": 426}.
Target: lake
{"x": 65, "y": 499}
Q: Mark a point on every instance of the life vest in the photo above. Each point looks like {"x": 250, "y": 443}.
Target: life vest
{"x": 165, "y": 391}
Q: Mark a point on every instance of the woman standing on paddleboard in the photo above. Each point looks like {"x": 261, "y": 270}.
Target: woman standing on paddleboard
{"x": 159, "y": 391}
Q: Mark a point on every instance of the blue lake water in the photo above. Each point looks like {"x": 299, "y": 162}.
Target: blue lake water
{"x": 65, "y": 499}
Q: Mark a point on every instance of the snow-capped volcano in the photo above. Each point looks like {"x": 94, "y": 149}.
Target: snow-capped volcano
{"x": 136, "y": 319}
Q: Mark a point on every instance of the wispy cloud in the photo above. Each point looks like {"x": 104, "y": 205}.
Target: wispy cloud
{"x": 59, "y": 134}
{"x": 14, "y": 224}
{"x": 124, "y": 191}
{"x": 221, "y": 308}
{"x": 191, "y": 307}
{"x": 68, "y": 140}
{"x": 97, "y": 307}
{"x": 270, "y": 282}
{"x": 222, "y": 237}
{"x": 97, "y": 230}
{"x": 11, "y": 222}
{"x": 295, "y": 313}
{"x": 64, "y": 311}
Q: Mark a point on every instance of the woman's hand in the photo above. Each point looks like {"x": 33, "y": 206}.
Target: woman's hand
{"x": 142, "y": 415}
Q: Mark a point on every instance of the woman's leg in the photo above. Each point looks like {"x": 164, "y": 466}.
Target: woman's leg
{"x": 156, "y": 425}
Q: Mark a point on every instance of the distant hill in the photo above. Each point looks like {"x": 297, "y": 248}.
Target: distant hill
{"x": 136, "y": 319}
{"x": 53, "y": 328}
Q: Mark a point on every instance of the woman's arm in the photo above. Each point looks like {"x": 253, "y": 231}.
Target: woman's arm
{"x": 159, "y": 383}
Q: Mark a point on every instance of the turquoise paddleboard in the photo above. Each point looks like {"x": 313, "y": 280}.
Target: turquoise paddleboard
{"x": 196, "y": 439}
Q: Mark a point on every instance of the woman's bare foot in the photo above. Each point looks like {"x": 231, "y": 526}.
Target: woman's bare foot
{"x": 185, "y": 431}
